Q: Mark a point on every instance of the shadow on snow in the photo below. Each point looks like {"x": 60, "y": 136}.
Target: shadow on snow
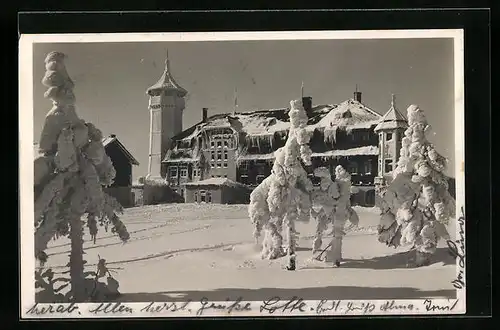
{"x": 330, "y": 292}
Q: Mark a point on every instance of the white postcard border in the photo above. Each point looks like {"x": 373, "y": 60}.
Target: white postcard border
{"x": 27, "y": 301}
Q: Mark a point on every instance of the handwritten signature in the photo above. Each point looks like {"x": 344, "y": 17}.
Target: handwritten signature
{"x": 457, "y": 249}
{"x": 276, "y": 304}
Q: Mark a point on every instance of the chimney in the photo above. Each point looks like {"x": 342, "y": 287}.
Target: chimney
{"x": 204, "y": 115}
{"x": 112, "y": 135}
{"x": 357, "y": 95}
{"x": 307, "y": 104}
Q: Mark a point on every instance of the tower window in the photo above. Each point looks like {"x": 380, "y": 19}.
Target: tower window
{"x": 219, "y": 144}
{"x": 389, "y": 137}
{"x": 225, "y": 164}
{"x": 225, "y": 154}
{"x": 173, "y": 172}
{"x": 219, "y": 155}
{"x": 388, "y": 166}
{"x": 225, "y": 143}
{"x": 213, "y": 155}
{"x": 212, "y": 144}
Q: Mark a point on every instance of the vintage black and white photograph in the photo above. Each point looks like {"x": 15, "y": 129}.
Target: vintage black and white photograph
{"x": 242, "y": 174}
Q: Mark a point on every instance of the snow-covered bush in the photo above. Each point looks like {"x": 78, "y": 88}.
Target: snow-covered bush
{"x": 331, "y": 205}
{"x": 69, "y": 176}
{"x": 416, "y": 206}
{"x": 280, "y": 199}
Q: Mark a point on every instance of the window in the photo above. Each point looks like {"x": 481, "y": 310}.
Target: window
{"x": 219, "y": 155}
{"x": 196, "y": 196}
{"x": 219, "y": 144}
{"x": 225, "y": 164}
{"x": 225, "y": 175}
{"x": 212, "y": 144}
{"x": 173, "y": 172}
{"x": 218, "y": 176}
{"x": 244, "y": 179}
{"x": 225, "y": 154}
{"x": 219, "y": 165}
{"x": 184, "y": 172}
{"x": 212, "y": 164}
{"x": 353, "y": 168}
{"x": 244, "y": 165}
{"x": 368, "y": 167}
{"x": 209, "y": 197}
{"x": 260, "y": 178}
{"x": 225, "y": 144}
{"x": 388, "y": 166}
{"x": 202, "y": 196}
{"x": 388, "y": 137}
{"x": 212, "y": 155}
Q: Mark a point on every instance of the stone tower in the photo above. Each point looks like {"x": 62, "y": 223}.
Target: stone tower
{"x": 390, "y": 132}
{"x": 166, "y": 104}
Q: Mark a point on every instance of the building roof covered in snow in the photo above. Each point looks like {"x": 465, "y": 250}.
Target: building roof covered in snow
{"x": 167, "y": 82}
{"x": 216, "y": 182}
{"x": 392, "y": 118}
{"x": 350, "y": 113}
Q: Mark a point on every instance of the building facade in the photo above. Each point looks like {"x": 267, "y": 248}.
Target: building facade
{"x": 240, "y": 146}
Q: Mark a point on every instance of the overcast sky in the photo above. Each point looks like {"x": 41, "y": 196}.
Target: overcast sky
{"x": 111, "y": 80}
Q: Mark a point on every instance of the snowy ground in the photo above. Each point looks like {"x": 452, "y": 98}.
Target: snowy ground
{"x": 190, "y": 251}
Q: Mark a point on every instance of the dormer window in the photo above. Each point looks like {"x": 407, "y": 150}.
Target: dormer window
{"x": 388, "y": 137}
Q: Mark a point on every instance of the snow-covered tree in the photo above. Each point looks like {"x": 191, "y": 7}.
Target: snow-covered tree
{"x": 70, "y": 171}
{"x": 417, "y": 206}
{"x": 331, "y": 205}
{"x": 278, "y": 199}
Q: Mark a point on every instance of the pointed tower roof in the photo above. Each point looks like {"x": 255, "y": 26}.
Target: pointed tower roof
{"x": 392, "y": 118}
{"x": 167, "y": 82}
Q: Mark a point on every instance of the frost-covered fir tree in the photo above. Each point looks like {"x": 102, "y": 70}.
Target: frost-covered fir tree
{"x": 417, "y": 206}
{"x": 278, "y": 199}
{"x": 331, "y": 205}
{"x": 70, "y": 172}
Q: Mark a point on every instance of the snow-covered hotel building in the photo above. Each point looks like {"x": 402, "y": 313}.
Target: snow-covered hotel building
{"x": 232, "y": 147}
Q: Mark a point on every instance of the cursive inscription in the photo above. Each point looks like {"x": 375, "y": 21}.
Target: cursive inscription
{"x": 276, "y": 304}
{"x": 111, "y": 308}
{"x": 166, "y": 307}
{"x": 364, "y": 307}
{"x": 229, "y": 307}
{"x": 432, "y": 307}
{"x": 53, "y": 309}
{"x": 325, "y": 305}
{"x": 457, "y": 249}
{"x": 392, "y": 306}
